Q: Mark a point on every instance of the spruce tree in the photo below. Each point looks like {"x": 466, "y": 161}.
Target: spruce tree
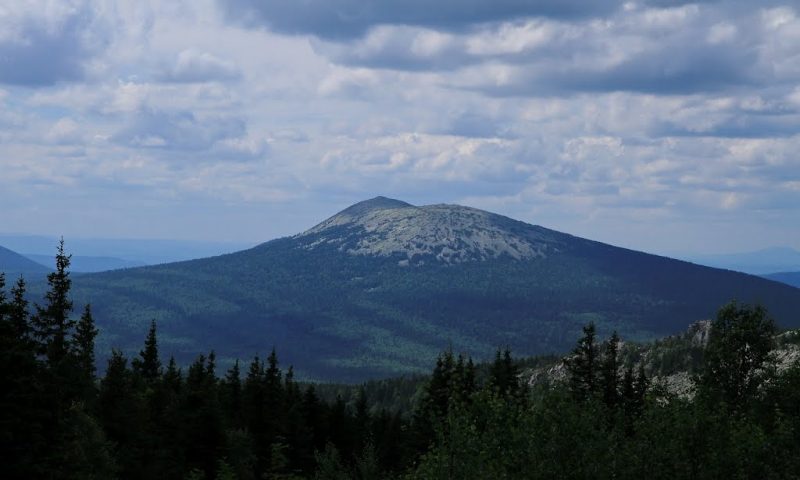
{"x": 232, "y": 396}
{"x": 504, "y": 375}
{"x": 582, "y": 365}
{"x": 83, "y": 350}
{"x": 148, "y": 365}
{"x": 609, "y": 372}
{"x": 737, "y": 359}
{"x": 52, "y": 324}
{"x": 17, "y": 311}
{"x": 24, "y": 409}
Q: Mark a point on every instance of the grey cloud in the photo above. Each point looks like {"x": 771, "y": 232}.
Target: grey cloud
{"x": 671, "y": 69}
{"x": 347, "y": 19}
{"x": 182, "y": 131}
{"x": 476, "y": 125}
{"x": 37, "y": 54}
{"x": 544, "y": 58}
{"x": 738, "y": 126}
{"x": 192, "y": 66}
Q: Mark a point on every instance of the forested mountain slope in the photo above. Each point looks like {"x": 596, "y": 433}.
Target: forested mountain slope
{"x": 383, "y": 286}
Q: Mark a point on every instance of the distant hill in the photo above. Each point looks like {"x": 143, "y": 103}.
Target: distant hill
{"x": 382, "y": 287}
{"x": 760, "y": 262}
{"x": 14, "y": 264}
{"x": 136, "y": 251}
{"x": 86, "y": 264}
{"x": 789, "y": 278}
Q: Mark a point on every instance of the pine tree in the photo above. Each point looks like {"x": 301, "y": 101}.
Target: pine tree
{"x": 582, "y": 365}
{"x": 17, "y": 311}
{"x": 4, "y": 306}
{"x": 24, "y": 413}
{"x": 504, "y": 375}
{"x": 123, "y": 415}
{"x": 737, "y": 359}
{"x": 361, "y": 417}
{"x": 609, "y": 372}
{"x": 202, "y": 415}
{"x": 232, "y": 396}
{"x": 148, "y": 365}
{"x": 83, "y": 350}
{"x": 52, "y": 323}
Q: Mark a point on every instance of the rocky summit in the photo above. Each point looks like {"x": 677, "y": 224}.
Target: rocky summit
{"x": 441, "y": 233}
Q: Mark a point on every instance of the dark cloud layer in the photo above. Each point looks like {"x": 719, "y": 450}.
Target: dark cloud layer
{"x": 180, "y": 131}
{"x": 38, "y": 54}
{"x": 347, "y": 19}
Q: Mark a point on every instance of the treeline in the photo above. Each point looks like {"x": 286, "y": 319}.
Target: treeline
{"x": 148, "y": 418}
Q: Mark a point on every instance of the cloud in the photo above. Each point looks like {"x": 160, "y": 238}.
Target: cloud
{"x": 348, "y": 19}
{"x": 621, "y": 121}
{"x": 179, "y": 131}
{"x": 47, "y": 42}
{"x": 678, "y": 50}
{"x": 192, "y": 66}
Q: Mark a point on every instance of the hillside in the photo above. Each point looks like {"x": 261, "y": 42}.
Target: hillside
{"x": 789, "y": 278}
{"x": 14, "y": 264}
{"x": 382, "y": 287}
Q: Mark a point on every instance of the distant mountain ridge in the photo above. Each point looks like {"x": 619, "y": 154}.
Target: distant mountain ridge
{"x": 87, "y": 264}
{"x": 14, "y": 264}
{"x": 382, "y": 287}
{"x": 789, "y": 278}
{"x": 760, "y": 262}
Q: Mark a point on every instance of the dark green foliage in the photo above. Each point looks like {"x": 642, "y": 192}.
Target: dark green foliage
{"x": 83, "y": 351}
{"x": 738, "y": 356}
{"x": 148, "y": 365}
{"x": 467, "y": 421}
{"x": 609, "y": 372}
{"x": 582, "y": 365}
{"x": 52, "y": 323}
{"x": 504, "y": 376}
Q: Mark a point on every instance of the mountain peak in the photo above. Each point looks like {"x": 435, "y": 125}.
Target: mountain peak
{"x": 445, "y": 233}
{"x": 377, "y": 203}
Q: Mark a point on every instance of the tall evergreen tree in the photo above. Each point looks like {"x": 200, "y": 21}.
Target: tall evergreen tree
{"x": 17, "y": 312}
{"x": 504, "y": 375}
{"x": 609, "y": 375}
{"x": 52, "y": 324}
{"x": 123, "y": 415}
{"x": 738, "y": 355}
{"x": 83, "y": 347}
{"x": 232, "y": 396}
{"x": 148, "y": 365}
{"x": 23, "y": 411}
{"x": 582, "y": 365}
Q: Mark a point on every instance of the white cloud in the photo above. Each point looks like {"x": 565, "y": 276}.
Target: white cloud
{"x": 635, "y": 113}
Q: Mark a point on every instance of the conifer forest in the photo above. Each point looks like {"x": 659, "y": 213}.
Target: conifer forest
{"x": 147, "y": 417}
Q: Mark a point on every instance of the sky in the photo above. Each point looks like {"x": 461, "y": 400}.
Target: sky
{"x": 660, "y": 125}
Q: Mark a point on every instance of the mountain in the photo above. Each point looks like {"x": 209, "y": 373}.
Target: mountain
{"x": 789, "y": 278}
{"x": 88, "y": 264}
{"x": 383, "y": 286}
{"x": 14, "y": 264}
{"x": 760, "y": 262}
